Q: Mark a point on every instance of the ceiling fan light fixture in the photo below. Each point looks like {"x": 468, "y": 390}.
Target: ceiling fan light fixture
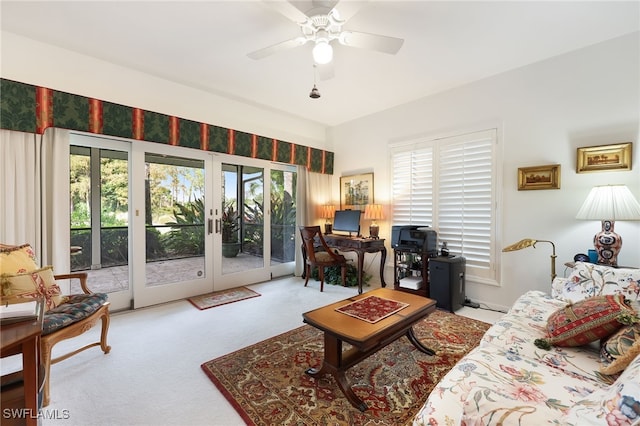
{"x": 322, "y": 52}
{"x": 315, "y": 93}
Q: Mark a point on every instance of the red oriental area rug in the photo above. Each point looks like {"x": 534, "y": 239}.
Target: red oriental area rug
{"x": 267, "y": 385}
{"x": 222, "y": 297}
{"x": 372, "y": 308}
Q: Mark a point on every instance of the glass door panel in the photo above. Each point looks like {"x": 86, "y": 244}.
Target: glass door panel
{"x": 283, "y": 216}
{"x": 174, "y": 219}
{"x": 173, "y": 223}
{"x": 242, "y": 221}
{"x": 99, "y": 222}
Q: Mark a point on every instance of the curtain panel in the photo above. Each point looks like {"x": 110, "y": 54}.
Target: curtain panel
{"x": 34, "y": 180}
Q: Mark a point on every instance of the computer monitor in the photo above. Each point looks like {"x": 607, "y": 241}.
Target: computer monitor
{"x": 347, "y": 221}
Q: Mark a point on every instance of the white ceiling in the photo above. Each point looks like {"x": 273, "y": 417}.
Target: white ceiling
{"x": 204, "y": 44}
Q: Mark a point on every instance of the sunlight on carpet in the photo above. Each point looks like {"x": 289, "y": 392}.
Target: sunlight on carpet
{"x": 223, "y": 297}
{"x": 266, "y": 382}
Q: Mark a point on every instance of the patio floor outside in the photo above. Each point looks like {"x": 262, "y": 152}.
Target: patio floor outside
{"x": 116, "y": 278}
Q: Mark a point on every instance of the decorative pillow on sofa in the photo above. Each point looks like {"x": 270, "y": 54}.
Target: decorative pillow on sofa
{"x": 588, "y": 280}
{"x": 17, "y": 259}
{"x": 620, "y": 349}
{"x": 587, "y": 321}
{"x": 36, "y": 283}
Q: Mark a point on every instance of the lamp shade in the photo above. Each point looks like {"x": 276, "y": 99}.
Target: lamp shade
{"x": 327, "y": 211}
{"x": 373, "y": 212}
{"x": 610, "y": 202}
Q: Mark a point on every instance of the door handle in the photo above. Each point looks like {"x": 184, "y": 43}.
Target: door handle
{"x": 217, "y": 226}
{"x": 209, "y": 226}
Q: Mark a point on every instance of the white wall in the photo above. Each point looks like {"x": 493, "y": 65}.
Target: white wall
{"x": 32, "y": 62}
{"x": 544, "y": 112}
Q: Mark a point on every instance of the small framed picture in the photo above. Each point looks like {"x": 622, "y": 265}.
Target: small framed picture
{"x": 539, "y": 177}
{"x": 356, "y": 191}
{"x": 604, "y": 158}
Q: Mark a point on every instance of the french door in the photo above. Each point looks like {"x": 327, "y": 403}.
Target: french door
{"x": 255, "y": 222}
{"x": 171, "y": 210}
{"x": 152, "y": 223}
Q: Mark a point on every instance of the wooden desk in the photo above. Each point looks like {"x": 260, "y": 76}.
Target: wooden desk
{"x": 361, "y": 246}
{"x": 24, "y": 337}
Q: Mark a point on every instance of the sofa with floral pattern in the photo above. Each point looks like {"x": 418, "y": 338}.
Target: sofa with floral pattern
{"x": 508, "y": 380}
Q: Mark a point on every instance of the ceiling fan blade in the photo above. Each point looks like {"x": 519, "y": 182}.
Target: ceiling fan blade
{"x": 371, "y": 41}
{"x": 270, "y": 50}
{"x": 347, "y": 9}
{"x": 288, "y": 10}
{"x": 326, "y": 71}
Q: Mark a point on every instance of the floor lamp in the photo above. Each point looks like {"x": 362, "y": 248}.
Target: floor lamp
{"x": 528, "y": 242}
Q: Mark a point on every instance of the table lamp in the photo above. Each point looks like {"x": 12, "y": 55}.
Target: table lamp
{"x": 373, "y": 212}
{"x": 327, "y": 212}
{"x": 608, "y": 203}
{"x": 528, "y": 242}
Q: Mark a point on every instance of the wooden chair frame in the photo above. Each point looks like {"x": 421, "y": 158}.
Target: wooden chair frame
{"x": 309, "y": 234}
{"x": 47, "y": 342}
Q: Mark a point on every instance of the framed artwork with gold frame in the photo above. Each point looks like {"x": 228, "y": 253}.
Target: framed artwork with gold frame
{"x": 604, "y": 158}
{"x": 539, "y": 177}
{"x": 356, "y": 191}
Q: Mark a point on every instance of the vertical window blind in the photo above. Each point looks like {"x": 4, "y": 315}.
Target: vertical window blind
{"x": 449, "y": 185}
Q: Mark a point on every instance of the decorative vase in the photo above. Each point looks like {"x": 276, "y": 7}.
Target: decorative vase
{"x": 607, "y": 244}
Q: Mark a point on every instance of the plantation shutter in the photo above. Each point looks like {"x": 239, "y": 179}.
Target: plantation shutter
{"x": 449, "y": 184}
{"x": 412, "y": 187}
{"x": 466, "y": 200}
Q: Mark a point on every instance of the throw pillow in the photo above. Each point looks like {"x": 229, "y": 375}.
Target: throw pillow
{"x": 36, "y": 283}
{"x": 620, "y": 349}
{"x": 17, "y": 259}
{"x": 587, "y": 321}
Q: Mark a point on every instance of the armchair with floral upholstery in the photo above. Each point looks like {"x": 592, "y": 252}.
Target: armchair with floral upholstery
{"x": 65, "y": 316}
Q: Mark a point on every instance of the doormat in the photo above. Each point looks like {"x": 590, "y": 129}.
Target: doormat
{"x": 222, "y": 297}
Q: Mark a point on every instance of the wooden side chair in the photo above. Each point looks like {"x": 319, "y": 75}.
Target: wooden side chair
{"x": 65, "y": 316}
{"x": 311, "y": 237}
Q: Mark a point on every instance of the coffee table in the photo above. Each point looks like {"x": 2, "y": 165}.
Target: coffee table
{"x": 365, "y": 338}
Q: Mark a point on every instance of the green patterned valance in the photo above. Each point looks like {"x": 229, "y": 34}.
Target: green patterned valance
{"x": 32, "y": 109}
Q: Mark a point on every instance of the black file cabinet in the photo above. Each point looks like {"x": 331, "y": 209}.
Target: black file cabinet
{"x": 447, "y": 281}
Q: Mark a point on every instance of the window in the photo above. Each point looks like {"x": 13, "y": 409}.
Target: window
{"x": 449, "y": 185}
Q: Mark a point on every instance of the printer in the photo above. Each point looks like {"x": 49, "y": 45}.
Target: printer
{"x": 415, "y": 238}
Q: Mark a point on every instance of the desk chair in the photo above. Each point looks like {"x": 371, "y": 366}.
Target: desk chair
{"x": 311, "y": 235}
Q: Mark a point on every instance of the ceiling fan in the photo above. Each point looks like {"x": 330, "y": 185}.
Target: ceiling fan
{"x": 322, "y": 25}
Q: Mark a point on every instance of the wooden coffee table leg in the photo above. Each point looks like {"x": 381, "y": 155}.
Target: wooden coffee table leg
{"x": 332, "y": 364}
{"x": 417, "y": 343}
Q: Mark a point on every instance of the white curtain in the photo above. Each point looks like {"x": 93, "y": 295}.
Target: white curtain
{"x": 318, "y": 187}
{"x": 314, "y": 190}
{"x": 19, "y": 205}
{"x": 302, "y": 215}
{"x": 35, "y": 194}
